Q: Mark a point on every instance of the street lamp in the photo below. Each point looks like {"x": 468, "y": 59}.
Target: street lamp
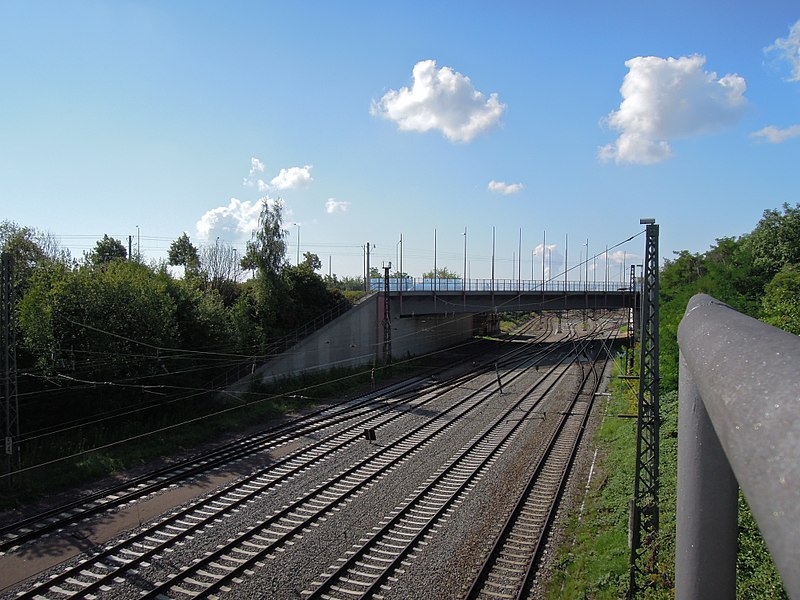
{"x": 586, "y": 278}
{"x": 398, "y": 255}
{"x": 465, "y": 259}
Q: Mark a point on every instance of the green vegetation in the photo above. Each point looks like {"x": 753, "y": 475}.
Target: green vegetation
{"x": 110, "y": 348}
{"x": 441, "y": 273}
{"x": 510, "y": 321}
{"x": 757, "y": 274}
{"x": 593, "y": 563}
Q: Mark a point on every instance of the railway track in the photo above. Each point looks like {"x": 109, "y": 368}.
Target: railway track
{"x": 100, "y": 572}
{"x": 510, "y": 566}
{"x": 370, "y": 567}
{"x": 357, "y": 411}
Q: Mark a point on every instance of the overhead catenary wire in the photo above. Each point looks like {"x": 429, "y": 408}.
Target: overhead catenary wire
{"x": 294, "y": 393}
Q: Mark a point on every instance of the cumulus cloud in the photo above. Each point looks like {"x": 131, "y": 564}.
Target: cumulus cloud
{"x": 256, "y": 166}
{"x": 292, "y": 178}
{"x": 501, "y": 187}
{"x": 286, "y": 179}
{"x": 665, "y": 99}
{"x": 334, "y": 206}
{"x": 235, "y": 221}
{"x": 441, "y": 99}
{"x": 776, "y": 135}
{"x": 789, "y": 49}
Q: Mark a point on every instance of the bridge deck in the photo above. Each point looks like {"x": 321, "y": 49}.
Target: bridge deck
{"x": 418, "y": 297}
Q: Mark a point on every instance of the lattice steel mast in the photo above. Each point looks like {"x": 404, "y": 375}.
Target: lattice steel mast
{"x": 632, "y": 321}
{"x": 644, "y": 506}
{"x": 387, "y": 318}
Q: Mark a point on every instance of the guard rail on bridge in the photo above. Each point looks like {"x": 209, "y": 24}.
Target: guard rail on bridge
{"x": 426, "y": 284}
{"x": 738, "y": 421}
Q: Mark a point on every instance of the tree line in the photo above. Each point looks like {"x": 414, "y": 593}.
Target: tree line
{"x": 757, "y": 274}
{"x": 109, "y": 328}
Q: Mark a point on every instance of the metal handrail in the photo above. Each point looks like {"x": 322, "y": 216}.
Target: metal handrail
{"x": 739, "y": 422}
{"x": 428, "y": 284}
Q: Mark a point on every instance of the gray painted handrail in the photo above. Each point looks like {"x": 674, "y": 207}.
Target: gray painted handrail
{"x": 742, "y": 377}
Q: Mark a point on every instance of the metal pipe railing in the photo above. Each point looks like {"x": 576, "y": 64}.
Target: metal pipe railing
{"x": 739, "y": 405}
{"x": 427, "y": 284}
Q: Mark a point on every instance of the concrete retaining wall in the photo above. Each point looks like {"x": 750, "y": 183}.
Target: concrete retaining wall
{"x": 356, "y": 339}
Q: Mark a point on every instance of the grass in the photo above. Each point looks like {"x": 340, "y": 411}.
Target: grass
{"x": 595, "y": 565}
{"x": 512, "y": 320}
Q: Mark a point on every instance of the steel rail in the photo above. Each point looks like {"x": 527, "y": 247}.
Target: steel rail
{"x": 410, "y": 525}
{"x": 180, "y": 530}
{"x": 298, "y": 515}
{"x": 59, "y": 517}
{"x": 529, "y": 522}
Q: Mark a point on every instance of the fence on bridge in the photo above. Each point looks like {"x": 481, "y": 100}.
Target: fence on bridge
{"x": 426, "y": 284}
{"x": 738, "y": 422}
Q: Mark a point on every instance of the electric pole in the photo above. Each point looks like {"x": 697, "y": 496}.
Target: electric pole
{"x": 387, "y": 318}
{"x": 644, "y": 504}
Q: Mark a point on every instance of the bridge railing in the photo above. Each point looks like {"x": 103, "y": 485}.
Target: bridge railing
{"x": 426, "y": 284}
{"x": 738, "y": 422}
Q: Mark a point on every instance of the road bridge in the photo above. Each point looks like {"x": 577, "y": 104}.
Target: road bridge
{"x": 412, "y": 297}
{"x": 418, "y": 316}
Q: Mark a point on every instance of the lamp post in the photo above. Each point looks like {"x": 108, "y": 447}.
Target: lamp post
{"x": 465, "y": 259}
{"x": 397, "y": 252}
{"x": 493, "y": 258}
{"x": 434, "y": 261}
{"x": 586, "y": 278}
{"x": 544, "y": 255}
{"x": 519, "y": 257}
{"x": 366, "y": 266}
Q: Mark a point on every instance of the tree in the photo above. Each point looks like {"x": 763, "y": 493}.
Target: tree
{"x": 120, "y": 313}
{"x": 781, "y": 302}
{"x": 183, "y": 253}
{"x": 346, "y": 283}
{"x": 266, "y": 252}
{"x": 221, "y": 269}
{"x": 441, "y": 273}
{"x": 776, "y": 239}
{"x": 304, "y": 297}
{"x": 30, "y": 249}
{"x": 105, "y": 251}
{"x": 311, "y": 261}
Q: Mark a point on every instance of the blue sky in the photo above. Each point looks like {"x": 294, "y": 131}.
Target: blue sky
{"x": 370, "y": 121}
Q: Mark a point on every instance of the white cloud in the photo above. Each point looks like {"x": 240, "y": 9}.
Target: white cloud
{"x": 293, "y": 177}
{"x": 235, "y": 221}
{"x": 440, "y": 99}
{"x": 256, "y": 166}
{"x": 334, "y": 206}
{"x": 501, "y": 187}
{"x": 665, "y": 99}
{"x": 776, "y": 135}
{"x": 263, "y": 186}
{"x": 789, "y": 48}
